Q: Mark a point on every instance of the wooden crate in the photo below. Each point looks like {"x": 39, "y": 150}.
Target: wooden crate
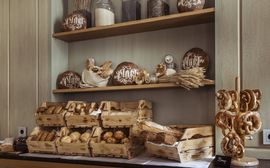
{"x": 81, "y": 149}
{"x": 91, "y": 118}
{"x": 127, "y": 150}
{"x": 196, "y": 142}
{"x": 50, "y": 120}
{"x": 41, "y": 146}
{"x": 124, "y": 114}
{"x": 76, "y": 149}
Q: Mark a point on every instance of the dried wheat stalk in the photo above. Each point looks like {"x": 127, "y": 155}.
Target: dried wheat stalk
{"x": 188, "y": 79}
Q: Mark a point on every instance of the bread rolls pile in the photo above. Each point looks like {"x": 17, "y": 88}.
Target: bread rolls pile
{"x": 75, "y": 136}
{"x": 114, "y": 137}
{"x": 80, "y": 108}
{"x": 41, "y": 135}
{"x": 52, "y": 109}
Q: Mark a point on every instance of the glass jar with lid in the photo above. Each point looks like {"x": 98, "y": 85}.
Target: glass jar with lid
{"x": 104, "y": 13}
{"x": 131, "y": 10}
{"x": 156, "y": 8}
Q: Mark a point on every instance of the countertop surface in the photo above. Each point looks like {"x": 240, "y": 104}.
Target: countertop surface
{"x": 142, "y": 161}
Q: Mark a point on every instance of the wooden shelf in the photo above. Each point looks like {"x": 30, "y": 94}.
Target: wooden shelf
{"x": 117, "y": 88}
{"x": 151, "y": 24}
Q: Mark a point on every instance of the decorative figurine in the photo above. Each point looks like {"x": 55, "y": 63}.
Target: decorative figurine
{"x": 238, "y": 119}
{"x": 161, "y": 70}
{"x": 96, "y": 76}
{"x": 170, "y": 65}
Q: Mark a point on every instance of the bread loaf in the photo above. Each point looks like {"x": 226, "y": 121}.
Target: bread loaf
{"x": 85, "y": 137}
{"x": 75, "y": 136}
{"x": 66, "y": 139}
{"x": 50, "y": 110}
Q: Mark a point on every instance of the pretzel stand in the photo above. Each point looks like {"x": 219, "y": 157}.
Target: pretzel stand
{"x": 238, "y": 119}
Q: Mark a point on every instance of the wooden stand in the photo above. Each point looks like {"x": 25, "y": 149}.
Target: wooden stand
{"x": 245, "y": 161}
{"x": 238, "y": 118}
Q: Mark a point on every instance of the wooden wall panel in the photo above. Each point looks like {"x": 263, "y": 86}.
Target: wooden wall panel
{"x": 23, "y": 63}
{"x": 227, "y": 49}
{"x": 256, "y": 59}
{"x": 4, "y": 57}
{"x": 44, "y": 50}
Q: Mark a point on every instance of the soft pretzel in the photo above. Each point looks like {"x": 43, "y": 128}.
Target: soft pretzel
{"x": 248, "y": 123}
{"x": 234, "y": 97}
{"x": 245, "y": 99}
{"x": 224, "y": 100}
{"x": 258, "y": 95}
{"x": 224, "y": 120}
{"x": 253, "y": 100}
{"x": 232, "y": 146}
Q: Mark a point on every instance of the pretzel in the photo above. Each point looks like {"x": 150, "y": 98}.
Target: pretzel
{"x": 253, "y": 100}
{"x": 234, "y": 97}
{"x": 248, "y": 123}
{"x": 224, "y": 120}
{"x": 231, "y": 145}
{"x": 224, "y": 100}
{"x": 245, "y": 99}
{"x": 258, "y": 95}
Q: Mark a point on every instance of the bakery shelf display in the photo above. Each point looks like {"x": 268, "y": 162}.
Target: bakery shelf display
{"x": 145, "y": 25}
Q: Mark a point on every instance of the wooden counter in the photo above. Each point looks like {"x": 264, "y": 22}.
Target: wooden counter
{"x": 10, "y": 163}
{"x": 58, "y": 161}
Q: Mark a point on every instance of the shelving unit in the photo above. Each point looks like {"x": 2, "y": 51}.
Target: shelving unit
{"x": 145, "y": 25}
{"x": 117, "y": 88}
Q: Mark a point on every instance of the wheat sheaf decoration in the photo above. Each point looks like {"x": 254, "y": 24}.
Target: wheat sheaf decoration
{"x": 238, "y": 118}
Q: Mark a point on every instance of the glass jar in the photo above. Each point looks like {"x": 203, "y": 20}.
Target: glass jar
{"x": 104, "y": 13}
{"x": 131, "y": 10}
{"x": 156, "y": 8}
{"x": 83, "y": 6}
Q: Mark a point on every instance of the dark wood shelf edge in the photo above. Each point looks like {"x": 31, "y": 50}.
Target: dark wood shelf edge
{"x": 144, "y": 25}
{"x": 118, "y": 88}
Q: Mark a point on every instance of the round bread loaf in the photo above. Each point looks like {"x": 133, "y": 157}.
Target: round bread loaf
{"x": 190, "y": 5}
{"x": 85, "y": 137}
{"x": 66, "y": 139}
{"x": 75, "y": 136}
{"x": 68, "y": 80}
{"x": 195, "y": 57}
{"x": 107, "y": 135}
{"x": 124, "y": 74}
{"x": 119, "y": 135}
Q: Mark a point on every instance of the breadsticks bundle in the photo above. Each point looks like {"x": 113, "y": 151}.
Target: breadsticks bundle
{"x": 188, "y": 79}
